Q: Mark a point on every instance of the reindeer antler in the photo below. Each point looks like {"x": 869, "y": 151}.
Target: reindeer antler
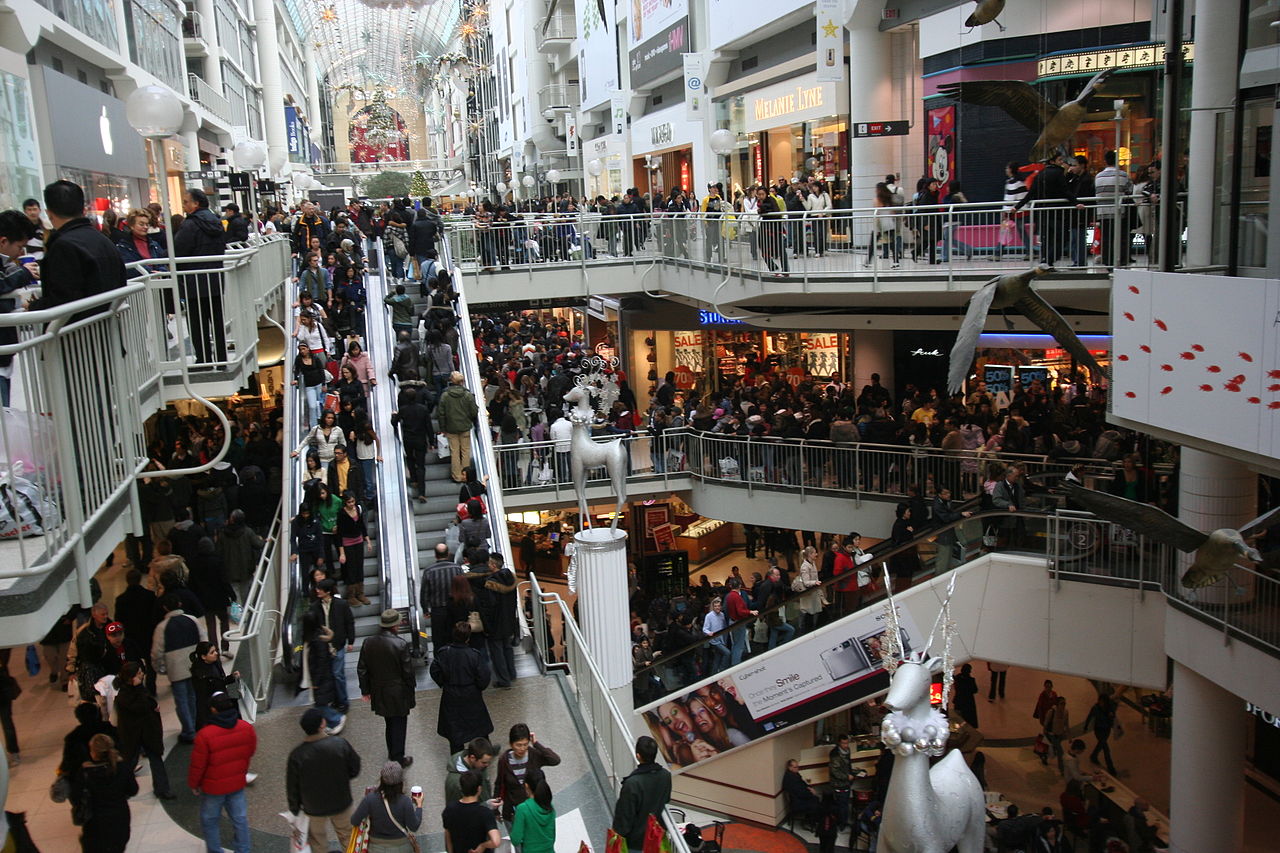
{"x": 598, "y": 379}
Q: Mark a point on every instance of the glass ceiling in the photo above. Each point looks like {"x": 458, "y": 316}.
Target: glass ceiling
{"x": 374, "y": 48}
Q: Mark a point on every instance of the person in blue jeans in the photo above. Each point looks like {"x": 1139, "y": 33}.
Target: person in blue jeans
{"x": 718, "y": 653}
{"x": 218, "y": 773}
{"x": 174, "y": 640}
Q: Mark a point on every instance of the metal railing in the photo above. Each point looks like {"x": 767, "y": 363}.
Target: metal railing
{"x": 556, "y": 30}
{"x": 886, "y": 243}
{"x": 806, "y": 466}
{"x": 85, "y": 377}
{"x": 557, "y": 96}
{"x": 192, "y": 27}
{"x": 608, "y": 728}
{"x": 208, "y": 97}
{"x": 259, "y": 619}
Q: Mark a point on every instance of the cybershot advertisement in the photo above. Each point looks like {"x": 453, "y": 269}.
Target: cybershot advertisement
{"x": 807, "y": 678}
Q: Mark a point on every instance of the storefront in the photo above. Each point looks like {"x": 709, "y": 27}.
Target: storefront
{"x": 662, "y": 152}
{"x": 970, "y": 138}
{"x": 604, "y": 159}
{"x": 1002, "y": 359}
{"x": 110, "y": 161}
{"x": 720, "y": 353}
{"x": 797, "y": 128}
{"x": 19, "y": 155}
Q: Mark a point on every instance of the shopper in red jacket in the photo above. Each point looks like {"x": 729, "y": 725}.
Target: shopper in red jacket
{"x": 219, "y": 762}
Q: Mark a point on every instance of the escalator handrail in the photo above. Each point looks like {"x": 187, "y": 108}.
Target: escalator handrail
{"x": 393, "y": 449}
{"x": 293, "y": 578}
{"x": 251, "y": 614}
{"x": 483, "y": 458}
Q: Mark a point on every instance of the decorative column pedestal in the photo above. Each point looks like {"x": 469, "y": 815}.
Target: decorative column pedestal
{"x": 1215, "y": 492}
{"x": 604, "y": 612}
{"x": 1206, "y": 806}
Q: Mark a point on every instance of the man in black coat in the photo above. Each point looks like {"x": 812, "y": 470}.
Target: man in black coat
{"x": 386, "y": 678}
{"x": 318, "y": 780}
{"x": 136, "y": 609}
{"x": 79, "y": 260}
{"x": 202, "y": 235}
{"x": 1051, "y": 189}
{"x": 237, "y": 226}
{"x": 333, "y": 612}
{"x": 500, "y": 620}
{"x": 414, "y": 420}
{"x": 463, "y": 674}
{"x": 436, "y": 580}
{"x": 646, "y": 791}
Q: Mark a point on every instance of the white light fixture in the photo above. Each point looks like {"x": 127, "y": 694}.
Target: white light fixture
{"x": 277, "y": 160}
{"x": 528, "y": 181}
{"x": 553, "y": 175}
{"x": 154, "y": 111}
{"x": 501, "y": 188}
{"x": 723, "y": 141}
{"x": 249, "y": 155}
{"x": 595, "y": 167}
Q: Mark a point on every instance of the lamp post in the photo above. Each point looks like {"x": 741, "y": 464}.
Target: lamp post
{"x": 156, "y": 113}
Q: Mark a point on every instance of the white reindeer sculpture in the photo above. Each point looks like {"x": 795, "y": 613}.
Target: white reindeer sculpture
{"x": 585, "y": 454}
{"x": 926, "y": 809}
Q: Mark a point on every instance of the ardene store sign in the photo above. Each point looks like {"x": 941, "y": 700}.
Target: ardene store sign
{"x": 793, "y": 101}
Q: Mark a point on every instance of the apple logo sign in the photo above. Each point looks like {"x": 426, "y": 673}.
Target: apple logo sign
{"x": 104, "y": 126}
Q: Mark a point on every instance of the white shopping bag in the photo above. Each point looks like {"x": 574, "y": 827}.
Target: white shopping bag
{"x": 298, "y": 825}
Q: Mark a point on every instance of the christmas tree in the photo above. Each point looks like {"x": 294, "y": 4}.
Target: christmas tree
{"x": 418, "y": 185}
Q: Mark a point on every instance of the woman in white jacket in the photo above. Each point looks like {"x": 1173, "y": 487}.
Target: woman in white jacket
{"x": 884, "y": 228}
{"x": 819, "y": 206}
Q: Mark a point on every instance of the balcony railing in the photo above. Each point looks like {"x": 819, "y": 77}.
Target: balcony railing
{"x": 87, "y": 375}
{"x": 848, "y": 470}
{"x": 557, "y": 96}
{"x": 557, "y": 31}
{"x": 884, "y": 244}
{"x": 192, "y": 27}
{"x": 209, "y": 98}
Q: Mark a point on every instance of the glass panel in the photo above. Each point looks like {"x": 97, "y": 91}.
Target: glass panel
{"x": 94, "y": 18}
{"x": 19, "y": 159}
{"x": 159, "y": 50}
{"x": 1255, "y": 182}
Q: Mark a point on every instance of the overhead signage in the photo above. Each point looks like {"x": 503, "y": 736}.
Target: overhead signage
{"x": 1092, "y": 61}
{"x": 659, "y": 53}
{"x": 830, "y": 41}
{"x": 793, "y": 101}
{"x": 296, "y": 134}
{"x": 201, "y": 175}
{"x": 881, "y": 128}
{"x": 714, "y": 318}
{"x": 695, "y": 91}
{"x": 618, "y": 112}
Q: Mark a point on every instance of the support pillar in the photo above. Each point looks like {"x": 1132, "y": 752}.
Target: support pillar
{"x": 1214, "y": 87}
{"x": 191, "y": 144}
{"x": 871, "y": 98}
{"x": 272, "y": 87}
{"x": 1215, "y": 492}
{"x": 603, "y": 604}
{"x": 209, "y": 31}
{"x": 1207, "y": 766}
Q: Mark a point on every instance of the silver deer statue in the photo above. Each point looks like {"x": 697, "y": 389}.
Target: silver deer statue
{"x": 926, "y": 809}
{"x": 585, "y": 453}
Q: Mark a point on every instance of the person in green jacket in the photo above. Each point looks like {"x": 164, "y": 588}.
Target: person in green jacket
{"x": 534, "y": 827}
{"x": 456, "y": 416}
{"x": 401, "y": 310}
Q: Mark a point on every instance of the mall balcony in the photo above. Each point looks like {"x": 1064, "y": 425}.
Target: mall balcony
{"x": 809, "y": 270}
{"x": 87, "y": 378}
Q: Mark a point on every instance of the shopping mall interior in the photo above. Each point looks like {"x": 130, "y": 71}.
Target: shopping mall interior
{"x": 863, "y": 414}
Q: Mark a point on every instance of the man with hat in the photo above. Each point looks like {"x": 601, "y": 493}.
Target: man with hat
{"x": 119, "y": 649}
{"x": 386, "y": 678}
{"x": 318, "y": 780}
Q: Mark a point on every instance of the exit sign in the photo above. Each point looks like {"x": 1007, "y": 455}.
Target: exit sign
{"x": 881, "y": 128}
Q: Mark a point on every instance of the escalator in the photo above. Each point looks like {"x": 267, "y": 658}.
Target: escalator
{"x": 832, "y": 667}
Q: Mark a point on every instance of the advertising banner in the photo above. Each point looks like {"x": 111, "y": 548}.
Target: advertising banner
{"x": 695, "y": 92}
{"x": 822, "y": 354}
{"x": 942, "y": 147}
{"x": 659, "y": 34}
{"x": 688, "y": 352}
{"x": 815, "y": 675}
{"x": 830, "y": 42}
{"x": 597, "y": 59}
{"x": 296, "y": 135}
{"x": 618, "y": 112}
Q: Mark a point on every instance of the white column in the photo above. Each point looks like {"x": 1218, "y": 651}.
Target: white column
{"x": 871, "y": 98}
{"x": 272, "y": 88}
{"x": 313, "y": 93}
{"x": 209, "y": 31}
{"x": 1215, "y": 492}
{"x": 1213, "y": 90}
{"x": 1206, "y": 766}
{"x": 603, "y": 605}
{"x": 191, "y": 141}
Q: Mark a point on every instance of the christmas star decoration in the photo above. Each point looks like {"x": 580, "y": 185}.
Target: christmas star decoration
{"x": 366, "y": 37}
{"x": 830, "y": 28}
{"x": 328, "y": 14}
{"x": 423, "y": 58}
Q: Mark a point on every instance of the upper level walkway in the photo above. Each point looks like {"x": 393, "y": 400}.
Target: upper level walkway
{"x": 919, "y": 261}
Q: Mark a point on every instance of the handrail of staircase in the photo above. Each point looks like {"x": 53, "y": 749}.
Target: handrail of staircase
{"x": 483, "y": 457}
{"x": 397, "y": 540}
{"x": 610, "y": 730}
{"x": 251, "y": 616}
